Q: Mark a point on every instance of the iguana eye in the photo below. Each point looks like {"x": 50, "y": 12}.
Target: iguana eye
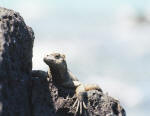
{"x": 57, "y": 56}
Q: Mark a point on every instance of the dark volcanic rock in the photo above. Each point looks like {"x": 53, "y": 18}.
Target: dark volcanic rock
{"x": 16, "y": 42}
{"x": 60, "y": 100}
{"x": 42, "y": 103}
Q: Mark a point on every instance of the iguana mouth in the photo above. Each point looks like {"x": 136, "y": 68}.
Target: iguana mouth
{"x": 48, "y": 59}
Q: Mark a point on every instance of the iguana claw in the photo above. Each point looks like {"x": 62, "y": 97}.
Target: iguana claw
{"x": 80, "y": 104}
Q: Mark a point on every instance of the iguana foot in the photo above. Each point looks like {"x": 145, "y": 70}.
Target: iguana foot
{"x": 81, "y": 94}
{"x": 80, "y": 104}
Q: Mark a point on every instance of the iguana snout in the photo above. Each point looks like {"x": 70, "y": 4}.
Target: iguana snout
{"x": 48, "y": 59}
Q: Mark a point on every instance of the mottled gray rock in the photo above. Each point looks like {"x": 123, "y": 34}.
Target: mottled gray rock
{"x": 62, "y": 99}
{"x": 16, "y": 42}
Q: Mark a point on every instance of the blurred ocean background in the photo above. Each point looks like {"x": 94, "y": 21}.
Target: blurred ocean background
{"x": 105, "y": 42}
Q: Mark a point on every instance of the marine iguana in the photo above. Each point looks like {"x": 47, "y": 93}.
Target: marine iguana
{"x": 57, "y": 63}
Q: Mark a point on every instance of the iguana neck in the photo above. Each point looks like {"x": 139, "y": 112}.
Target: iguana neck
{"x": 58, "y": 75}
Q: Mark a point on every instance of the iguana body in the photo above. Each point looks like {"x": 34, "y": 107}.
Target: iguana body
{"x": 63, "y": 77}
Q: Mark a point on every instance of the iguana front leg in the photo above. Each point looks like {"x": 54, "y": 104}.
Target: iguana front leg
{"x": 81, "y": 94}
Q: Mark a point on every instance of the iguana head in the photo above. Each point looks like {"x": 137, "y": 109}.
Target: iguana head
{"x": 56, "y": 60}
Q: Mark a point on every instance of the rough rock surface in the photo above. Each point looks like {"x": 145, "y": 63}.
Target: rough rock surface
{"x": 16, "y": 42}
{"x": 42, "y": 103}
{"x": 62, "y": 100}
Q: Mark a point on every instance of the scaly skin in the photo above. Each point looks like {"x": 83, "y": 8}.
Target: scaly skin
{"x": 57, "y": 63}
